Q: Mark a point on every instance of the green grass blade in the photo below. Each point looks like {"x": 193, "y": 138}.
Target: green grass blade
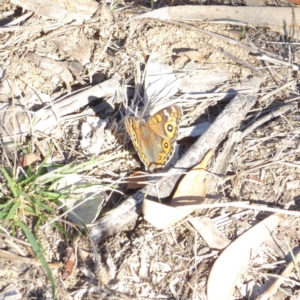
{"x": 11, "y": 213}
{"x": 28, "y": 209}
{"x": 38, "y": 252}
{"x": 46, "y": 207}
{"x": 26, "y": 182}
{"x": 12, "y": 184}
{"x": 42, "y": 166}
{"x": 38, "y": 204}
{"x": 32, "y": 177}
{"x": 52, "y": 195}
{"x": 26, "y": 196}
{"x": 62, "y": 230}
{"x": 6, "y": 204}
{"x": 2, "y": 215}
{"x": 4, "y": 211}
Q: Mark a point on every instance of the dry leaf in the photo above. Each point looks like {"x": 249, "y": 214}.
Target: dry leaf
{"x": 66, "y": 11}
{"x": 76, "y": 68}
{"x": 162, "y": 216}
{"x": 107, "y": 15}
{"x": 135, "y": 182}
{"x": 193, "y": 55}
{"x": 185, "y": 56}
{"x": 209, "y": 232}
{"x": 192, "y": 188}
{"x": 28, "y": 159}
{"x": 180, "y": 62}
{"x": 50, "y": 68}
{"x": 188, "y": 197}
{"x": 77, "y": 45}
{"x": 228, "y": 267}
{"x": 276, "y": 18}
{"x": 295, "y": 1}
{"x": 69, "y": 261}
{"x": 160, "y": 80}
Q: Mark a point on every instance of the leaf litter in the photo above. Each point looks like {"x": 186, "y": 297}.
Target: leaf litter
{"x": 52, "y": 76}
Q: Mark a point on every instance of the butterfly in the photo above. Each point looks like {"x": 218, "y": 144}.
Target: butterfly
{"x": 154, "y": 139}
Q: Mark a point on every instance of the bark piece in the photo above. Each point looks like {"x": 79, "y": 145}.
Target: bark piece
{"x": 277, "y": 18}
{"x": 66, "y": 11}
{"x": 16, "y": 123}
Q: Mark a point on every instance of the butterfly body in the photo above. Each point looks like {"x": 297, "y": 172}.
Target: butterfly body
{"x": 154, "y": 139}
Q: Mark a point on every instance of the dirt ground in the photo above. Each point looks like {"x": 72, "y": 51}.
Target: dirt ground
{"x": 47, "y": 61}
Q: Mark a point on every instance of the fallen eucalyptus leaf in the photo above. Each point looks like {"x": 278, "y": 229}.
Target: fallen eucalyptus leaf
{"x": 162, "y": 216}
{"x": 192, "y": 188}
{"x": 228, "y": 267}
{"x": 82, "y": 206}
{"x": 188, "y": 197}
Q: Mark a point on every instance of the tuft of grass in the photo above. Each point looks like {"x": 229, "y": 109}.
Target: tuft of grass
{"x": 23, "y": 199}
{"x": 33, "y": 197}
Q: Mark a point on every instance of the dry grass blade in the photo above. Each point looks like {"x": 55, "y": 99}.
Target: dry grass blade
{"x": 286, "y": 273}
{"x": 29, "y": 261}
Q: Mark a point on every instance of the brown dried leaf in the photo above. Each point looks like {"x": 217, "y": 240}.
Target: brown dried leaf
{"x": 28, "y": 159}
{"x": 193, "y": 55}
{"x": 180, "y": 61}
{"x": 107, "y": 15}
{"x": 295, "y": 1}
{"x": 69, "y": 261}
{"x": 76, "y": 68}
{"x": 77, "y": 45}
{"x": 50, "y": 67}
{"x": 209, "y": 232}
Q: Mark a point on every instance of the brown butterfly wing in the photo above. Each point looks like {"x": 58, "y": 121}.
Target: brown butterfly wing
{"x": 165, "y": 123}
{"x": 153, "y": 140}
{"x": 143, "y": 140}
